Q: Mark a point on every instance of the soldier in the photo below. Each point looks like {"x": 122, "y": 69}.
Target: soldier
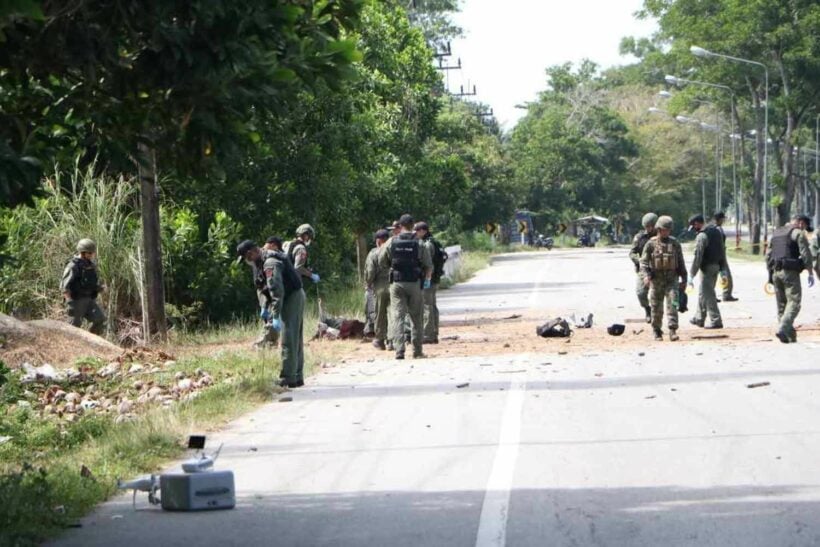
{"x": 298, "y": 253}
{"x": 786, "y": 257}
{"x": 377, "y": 280}
{"x": 728, "y": 282}
{"x": 411, "y": 269}
{"x": 635, "y": 253}
{"x": 287, "y": 308}
{"x": 439, "y": 257}
{"x": 273, "y": 243}
{"x": 815, "y": 250}
{"x": 664, "y": 273}
{"x": 269, "y": 336}
{"x": 80, "y": 286}
{"x": 710, "y": 260}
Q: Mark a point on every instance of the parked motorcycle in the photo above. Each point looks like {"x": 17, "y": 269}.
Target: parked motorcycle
{"x": 543, "y": 241}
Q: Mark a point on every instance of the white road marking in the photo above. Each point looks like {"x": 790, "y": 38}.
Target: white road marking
{"x": 492, "y": 526}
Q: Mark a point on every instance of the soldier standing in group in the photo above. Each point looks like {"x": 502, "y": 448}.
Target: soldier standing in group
{"x": 787, "y": 256}
{"x": 710, "y": 260}
{"x": 287, "y": 308}
{"x": 298, "y": 253}
{"x": 635, "y": 253}
{"x": 270, "y": 336}
{"x": 728, "y": 282}
{"x": 411, "y": 269}
{"x": 439, "y": 257}
{"x": 80, "y": 286}
{"x": 664, "y": 274}
{"x": 273, "y": 243}
{"x": 377, "y": 280}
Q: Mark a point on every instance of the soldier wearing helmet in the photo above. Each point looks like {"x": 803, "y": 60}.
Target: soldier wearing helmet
{"x": 710, "y": 260}
{"x": 298, "y": 253}
{"x": 638, "y": 243}
{"x": 728, "y": 283}
{"x": 664, "y": 275}
{"x": 80, "y": 286}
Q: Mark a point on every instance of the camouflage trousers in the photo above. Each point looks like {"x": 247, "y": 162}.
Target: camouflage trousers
{"x": 788, "y": 293}
{"x": 406, "y": 300}
{"x": 664, "y": 285}
{"x": 87, "y": 308}
{"x": 641, "y": 291}
{"x": 431, "y": 317}
{"x": 707, "y": 299}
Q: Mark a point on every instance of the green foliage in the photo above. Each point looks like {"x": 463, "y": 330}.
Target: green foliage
{"x": 30, "y": 508}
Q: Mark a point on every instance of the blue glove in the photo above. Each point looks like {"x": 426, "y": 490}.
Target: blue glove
{"x": 724, "y": 273}
{"x": 691, "y": 281}
{"x": 811, "y": 281}
{"x": 427, "y": 284}
{"x": 314, "y": 277}
{"x": 264, "y": 314}
{"x": 276, "y": 324}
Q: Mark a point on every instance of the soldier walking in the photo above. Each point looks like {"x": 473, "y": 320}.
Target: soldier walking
{"x": 709, "y": 260}
{"x": 787, "y": 256}
{"x": 287, "y": 308}
{"x": 80, "y": 286}
{"x": 377, "y": 280}
{"x": 727, "y": 281}
{"x": 439, "y": 257}
{"x": 411, "y": 269}
{"x": 664, "y": 274}
{"x": 638, "y": 243}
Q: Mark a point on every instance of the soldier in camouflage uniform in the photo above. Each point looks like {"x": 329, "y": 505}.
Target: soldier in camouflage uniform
{"x": 787, "y": 256}
{"x": 377, "y": 280}
{"x": 710, "y": 261}
{"x": 664, "y": 273}
{"x": 80, "y": 286}
{"x": 297, "y": 251}
{"x": 638, "y": 243}
{"x": 269, "y": 337}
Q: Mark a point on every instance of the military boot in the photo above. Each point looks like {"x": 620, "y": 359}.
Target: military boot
{"x": 658, "y": 334}
{"x": 673, "y": 335}
{"x": 378, "y": 344}
{"x": 648, "y": 312}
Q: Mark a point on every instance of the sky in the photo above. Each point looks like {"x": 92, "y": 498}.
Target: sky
{"x": 508, "y": 44}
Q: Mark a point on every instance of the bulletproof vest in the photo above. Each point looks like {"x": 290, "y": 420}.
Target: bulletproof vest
{"x": 85, "y": 283}
{"x": 290, "y": 277}
{"x": 714, "y": 252}
{"x": 664, "y": 256}
{"x": 439, "y": 258}
{"x": 405, "y": 251}
{"x": 785, "y": 251}
{"x": 292, "y": 249}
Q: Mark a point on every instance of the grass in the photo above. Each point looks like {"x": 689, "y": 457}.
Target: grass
{"x": 41, "y": 484}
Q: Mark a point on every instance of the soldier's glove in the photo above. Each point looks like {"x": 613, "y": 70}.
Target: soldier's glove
{"x": 811, "y": 281}
{"x": 427, "y": 284}
{"x": 264, "y": 314}
{"x": 314, "y": 277}
{"x": 276, "y": 324}
{"x": 691, "y": 281}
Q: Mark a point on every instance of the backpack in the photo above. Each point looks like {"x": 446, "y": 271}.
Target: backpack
{"x": 439, "y": 258}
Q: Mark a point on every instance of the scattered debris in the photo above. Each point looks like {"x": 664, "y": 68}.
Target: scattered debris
{"x": 44, "y": 373}
{"x": 582, "y": 323}
{"x": 709, "y": 336}
{"x": 465, "y": 384}
{"x": 4, "y": 439}
{"x": 650, "y": 397}
{"x": 633, "y": 320}
{"x": 451, "y": 337}
{"x": 616, "y": 329}
{"x": 511, "y": 371}
{"x": 485, "y": 365}
{"x": 285, "y": 399}
{"x": 641, "y": 354}
{"x": 554, "y": 328}
{"x": 513, "y": 316}
{"x": 758, "y": 384}
{"x": 252, "y": 449}
{"x": 562, "y": 352}
{"x": 506, "y": 345}
{"x": 636, "y": 332}
{"x": 86, "y": 473}
{"x": 599, "y": 374}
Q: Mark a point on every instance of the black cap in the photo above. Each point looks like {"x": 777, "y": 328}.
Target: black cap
{"x": 696, "y": 218}
{"x": 806, "y": 219}
{"x": 406, "y": 221}
{"x": 274, "y": 239}
{"x": 719, "y": 214}
{"x": 243, "y": 248}
{"x": 382, "y": 234}
{"x": 421, "y": 226}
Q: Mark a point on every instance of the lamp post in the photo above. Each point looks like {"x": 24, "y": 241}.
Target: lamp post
{"x": 677, "y": 81}
{"x": 700, "y": 125}
{"x": 816, "y": 170}
{"x": 701, "y": 52}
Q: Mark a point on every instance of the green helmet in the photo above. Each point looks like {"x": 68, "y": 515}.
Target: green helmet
{"x": 649, "y": 219}
{"x": 306, "y": 229}
{"x": 86, "y": 246}
{"x": 665, "y": 222}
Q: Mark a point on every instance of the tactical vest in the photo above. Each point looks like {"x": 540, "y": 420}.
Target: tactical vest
{"x": 643, "y": 239}
{"x": 292, "y": 249}
{"x": 405, "y": 266}
{"x": 664, "y": 256}
{"x": 714, "y": 252}
{"x": 439, "y": 258}
{"x": 785, "y": 251}
{"x": 290, "y": 277}
{"x": 85, "y": 283}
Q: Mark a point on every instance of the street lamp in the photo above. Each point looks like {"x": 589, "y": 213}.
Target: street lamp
{"x": 700, "y": 52}
{"x": 700, "y": 125}
{"x": 677, "y": 81}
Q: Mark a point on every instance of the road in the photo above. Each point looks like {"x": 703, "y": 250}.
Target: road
{"x": 634, "y": 443}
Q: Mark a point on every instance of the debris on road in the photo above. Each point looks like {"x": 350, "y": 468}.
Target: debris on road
{"x": 554, "y": 328}
{"x": 650, "y": 397}
{"x": 615, "y": 329}
{"x": 562, "y": 353}
{"x": 510, "y": 371}
{"x": 709, "y": 336}
{"x": 582, "y": 323}
{"x": 451, "y": 337}
{"x": 633, "y": 320}
{"x": 641, "y": 354}
{"x": 465, "y": 384}
{"x": 758, "y": 384}
{"x": 636, "y": 332}
{"x": 513, "y": 316}
{"x": 285, "y": 399}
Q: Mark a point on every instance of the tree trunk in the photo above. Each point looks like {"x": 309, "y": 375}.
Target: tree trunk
{"x": 755, "y": 211}
{"x": 361, "y": 255}
{"x": 152, "y": 242}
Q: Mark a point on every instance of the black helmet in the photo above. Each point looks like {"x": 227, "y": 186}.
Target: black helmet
{"x": 383, "y": 235}
{"x": 243, "y": 248}
{"x": 616, "y": 329}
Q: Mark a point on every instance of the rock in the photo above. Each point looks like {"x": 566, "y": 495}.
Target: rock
{"x": 199, "y": 372}
{"x": 71, "y": 418}
{"x": 206, "y": 380}
{"x": 143, "y": 399}
{"x": 48, "y": 409}
{"x": 185, "y": 384}
{"x": 135, "y": 368}
{"x": 106, "y": 403}
{"x": 70, "y": 408}
{"x": 138, "y": 385}
{"x": 179, "y": 375}
{"x": 109, "y": 370}
{"x": 125, "y": 406}
{"x": 122, "y": 418}
{"x": 155, "y": 392}
{"x": 44, "y": 373}
{"x": 73, "y": 397}
{"x": 169, "y": 363}
{"x": 89, "y": 404}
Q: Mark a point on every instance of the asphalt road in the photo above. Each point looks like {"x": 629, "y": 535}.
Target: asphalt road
{"x": 660, "y": 444}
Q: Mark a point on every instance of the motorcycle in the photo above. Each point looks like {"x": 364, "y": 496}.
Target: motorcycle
{"x": 543, "y": 241}
{"x": 584, "y": 240}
